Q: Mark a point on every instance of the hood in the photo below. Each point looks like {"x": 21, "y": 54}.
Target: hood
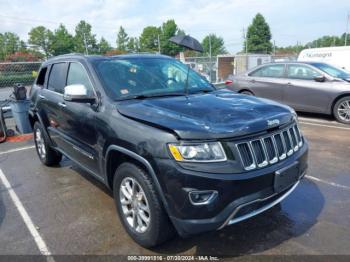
{"x": 219, "y": 114}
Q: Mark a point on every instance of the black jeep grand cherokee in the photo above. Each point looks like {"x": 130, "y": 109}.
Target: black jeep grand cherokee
{"x": 178, "y": 154}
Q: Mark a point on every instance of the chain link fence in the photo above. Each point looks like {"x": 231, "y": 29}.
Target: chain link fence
{"x": 18, "y": 72}
{"x": 215, "y": 69}
{"x": 206, "y": 66}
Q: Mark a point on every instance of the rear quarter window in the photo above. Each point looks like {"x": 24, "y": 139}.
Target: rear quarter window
{"x": 40, "y": 81}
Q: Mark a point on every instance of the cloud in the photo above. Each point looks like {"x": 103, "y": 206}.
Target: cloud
{"x": 290, "y": 20}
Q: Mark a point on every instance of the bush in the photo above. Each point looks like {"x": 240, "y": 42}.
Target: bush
{"x": 21, "y": 57}
{"x": 10, "y": 80}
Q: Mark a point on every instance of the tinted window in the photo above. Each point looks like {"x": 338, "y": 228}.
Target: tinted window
{"x": 125, "y": 78}
{"x": 41, "y": 77}
{"x": 269, "y": 71}
{"x": 78, "y": 75}
{"x": 57, "y": 78}
{"x": 301, "y": 72}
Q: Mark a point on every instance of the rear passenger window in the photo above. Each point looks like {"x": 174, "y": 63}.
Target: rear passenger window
{"x": 41, "y": 77}
{"x": 276, "y": 71}
{"x": 57, "y": 78}
{"x": 78, "y": 75}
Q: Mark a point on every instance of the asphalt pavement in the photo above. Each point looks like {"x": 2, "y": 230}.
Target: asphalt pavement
{"x": 62, "y": 210}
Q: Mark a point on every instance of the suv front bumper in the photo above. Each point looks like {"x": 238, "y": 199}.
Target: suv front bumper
{"x": 240, "y": 196}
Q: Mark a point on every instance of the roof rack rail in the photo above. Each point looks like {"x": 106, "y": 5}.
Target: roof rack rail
{"x": 69, "y": 54}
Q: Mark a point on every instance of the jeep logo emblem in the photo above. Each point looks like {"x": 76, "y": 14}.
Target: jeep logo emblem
{"x": 274, "y": 122}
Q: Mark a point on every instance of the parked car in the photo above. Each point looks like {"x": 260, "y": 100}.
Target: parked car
{"x": 178, "y": 155}
{"x": 306, "y": 86}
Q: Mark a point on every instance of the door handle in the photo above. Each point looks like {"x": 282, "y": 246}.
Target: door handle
{"x": 42, "y": 97}
{"x": 62, "y": 104}
{"x": 252, "y": 81}
{"x": 289, "y": 84}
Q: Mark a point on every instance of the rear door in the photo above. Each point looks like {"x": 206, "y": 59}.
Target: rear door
{"x": 302, "y": 92}
{"x": 51, "y": 99}
{"x": 268, "y": 81}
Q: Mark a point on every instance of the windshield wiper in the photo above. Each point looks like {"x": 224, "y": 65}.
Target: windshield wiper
{"x": 144, "y": 96}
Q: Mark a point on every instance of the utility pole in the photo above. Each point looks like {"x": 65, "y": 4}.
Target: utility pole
{"x": 210, "y": 46}
{"x": 245, "y": 41}
{"x": 347, "y": 29}
{"x": 210, "y": 58}
{"x": 85, "y": 44}
{"x": 158, "y": 44}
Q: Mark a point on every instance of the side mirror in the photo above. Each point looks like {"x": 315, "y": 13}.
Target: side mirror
{"x": 320, "y": 78}
{"x": 77, "y": 93}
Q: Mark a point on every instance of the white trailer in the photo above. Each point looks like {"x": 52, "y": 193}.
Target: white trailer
{"x": 338, "y": 56}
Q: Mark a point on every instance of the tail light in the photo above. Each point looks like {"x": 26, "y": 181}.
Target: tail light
{"x": 228, "y": 82}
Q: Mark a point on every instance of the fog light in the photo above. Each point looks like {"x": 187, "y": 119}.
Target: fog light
{"x": 204, "y": 197}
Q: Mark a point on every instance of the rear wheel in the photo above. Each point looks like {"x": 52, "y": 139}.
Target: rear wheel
{"x": 246, "y": 92}
{"x": 341, "y": 110}
{"x": 47, "y": 155}
{"x": 139, "y": 206}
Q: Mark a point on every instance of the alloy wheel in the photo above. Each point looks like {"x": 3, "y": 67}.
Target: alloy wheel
{"x": 344, "y": 111}
{"x": 134, "y": 204}
{"x": 40, "y": 143}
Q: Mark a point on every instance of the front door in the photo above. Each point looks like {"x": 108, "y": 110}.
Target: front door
{"x": 302, "y": 92}
{"x": 78, "y": 122}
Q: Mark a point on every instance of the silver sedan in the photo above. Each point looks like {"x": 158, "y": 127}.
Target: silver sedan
{"x": 305, "y": 86}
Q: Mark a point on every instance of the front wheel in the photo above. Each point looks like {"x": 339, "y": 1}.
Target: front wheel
{"x": 246, "y": 92}
{"x": 139, "y": 207}
{"x": 341, "y": 110}
{"x": 47, "y": 155}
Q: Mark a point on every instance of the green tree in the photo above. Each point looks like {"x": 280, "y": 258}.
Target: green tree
{"x": 84, "y": 40}
{"x": 62, "y": 42}
{"x": 258, "y": 39}
{"x": 22, "y": 46}
{"x": 122, "y": 39}
{"x": 133, "y": 45}
{"x": 169, "y": 29}
{"x": 149, "y": 39}
{"x": 217, "y": 45}
{"x": 9, "y": 44}
{"x": 104, "y": 46}
{"x": 41, "y": 37}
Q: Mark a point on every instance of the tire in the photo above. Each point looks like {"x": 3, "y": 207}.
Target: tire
{"x": 246, "y": 92}
{"x": 341, "y": 110}
{"x": 152, "y": 226}
{"x": 47, "y": 155}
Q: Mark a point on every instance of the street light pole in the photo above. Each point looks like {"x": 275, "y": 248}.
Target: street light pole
{"x": 158, "y": 44}
{"x": 347, "y": 29}
{"x": 85, "y": 44}
{"x": 210, "y": 68}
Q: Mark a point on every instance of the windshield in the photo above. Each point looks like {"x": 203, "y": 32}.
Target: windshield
{"x": 126, "y": 78}
{"x": 333, "y": 71}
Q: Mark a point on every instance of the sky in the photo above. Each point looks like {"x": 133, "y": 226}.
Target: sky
{"x": 291, "y": 21}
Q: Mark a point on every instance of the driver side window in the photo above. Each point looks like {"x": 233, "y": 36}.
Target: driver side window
{"x": 78, "y": 75}
{"x": 301, "y": 72}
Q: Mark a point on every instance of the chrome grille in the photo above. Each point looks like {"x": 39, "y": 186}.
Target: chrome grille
{"x": 269, "y": 149}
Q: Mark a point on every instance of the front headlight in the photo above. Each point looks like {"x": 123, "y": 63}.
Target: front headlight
{"x": 203, "y": 152}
